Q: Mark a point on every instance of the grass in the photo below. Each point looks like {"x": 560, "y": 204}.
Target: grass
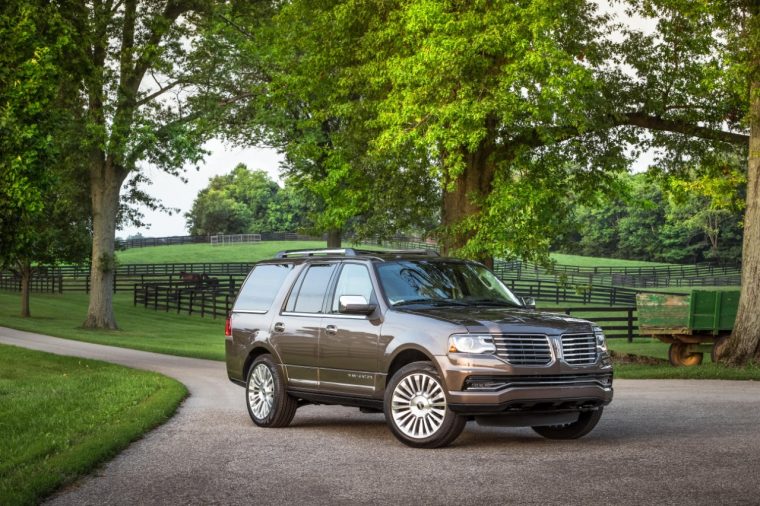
{"x": 141, "y": 329}
{"x": 187, "y": 253}
{"x": 688, "y": 289}
{"x": 60, "y": 417}
{"x": 650, "y": 347}
{"x": 580, "y": 261}
{"x": 184, "y": 253}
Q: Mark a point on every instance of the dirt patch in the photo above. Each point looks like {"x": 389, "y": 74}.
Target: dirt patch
{"x": 627, "y": 358}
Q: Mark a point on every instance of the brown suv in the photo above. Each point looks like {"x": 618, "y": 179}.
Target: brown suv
{"x": 429, "y": 341}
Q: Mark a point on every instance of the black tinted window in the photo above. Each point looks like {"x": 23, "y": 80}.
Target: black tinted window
{"x": 311, "y": 294}
{"x": 261, "y": 287}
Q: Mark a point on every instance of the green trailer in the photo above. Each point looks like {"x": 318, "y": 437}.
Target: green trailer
{"x": 688, "y": 321}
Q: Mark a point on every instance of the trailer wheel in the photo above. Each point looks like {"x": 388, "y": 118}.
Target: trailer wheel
{"x": 680, "y": 355}
{"x": 719, "y": 342}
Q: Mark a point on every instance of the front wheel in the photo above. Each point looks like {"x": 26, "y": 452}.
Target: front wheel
{"x": 587, "y": 420}
{"x": 416, "y": 410}
{"x": 268, "y": 402}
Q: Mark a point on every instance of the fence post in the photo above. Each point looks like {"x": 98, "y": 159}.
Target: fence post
{"x": 630, "y": 325}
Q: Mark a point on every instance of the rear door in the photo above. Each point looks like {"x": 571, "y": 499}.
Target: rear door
{"x": 296, "y": 330}
{"x": 348, "y": 347}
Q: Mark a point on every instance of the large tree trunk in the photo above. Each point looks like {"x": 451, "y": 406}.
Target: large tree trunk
{"x": 105, "y": 182}
{"x": 25, "y": 270}
{"x": 465, "y": 200}
{"x": 334, "y": 238}
{"x": 744, "y": 344}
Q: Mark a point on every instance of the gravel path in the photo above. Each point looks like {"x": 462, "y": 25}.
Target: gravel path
{"x": 659, "y": 442}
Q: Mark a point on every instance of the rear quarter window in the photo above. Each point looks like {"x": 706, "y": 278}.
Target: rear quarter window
{"x": 261, "y": 287}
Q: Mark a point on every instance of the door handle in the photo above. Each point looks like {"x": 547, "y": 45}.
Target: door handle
{"x": 331, "y": 329}
{"x": 279, "y": 327}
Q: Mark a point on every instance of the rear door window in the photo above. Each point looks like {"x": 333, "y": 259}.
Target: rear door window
{"x": 261, "y": 287}
{"x": 310, "y": 295}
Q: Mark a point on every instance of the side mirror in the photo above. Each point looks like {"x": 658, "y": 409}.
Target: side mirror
{"x": 354, "y": 304}
{"x": 528, "y": 302}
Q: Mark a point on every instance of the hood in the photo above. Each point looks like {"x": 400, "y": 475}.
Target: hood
{"x": 505, "y": 320}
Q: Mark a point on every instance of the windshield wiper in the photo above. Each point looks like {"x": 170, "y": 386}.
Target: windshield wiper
{"x": 433, "y": 302}
{"x": 492, "y": 302}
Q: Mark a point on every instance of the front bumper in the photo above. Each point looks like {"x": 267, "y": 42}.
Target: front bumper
{"x": 487, "y": 385}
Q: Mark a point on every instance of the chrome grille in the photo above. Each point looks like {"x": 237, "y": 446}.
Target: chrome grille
{"x": 494, "y": 383}
{"x": 579, "y": 349}
{"x": 523, "y": 350}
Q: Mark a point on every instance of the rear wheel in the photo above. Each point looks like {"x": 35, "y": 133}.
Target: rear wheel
{"x": 269, "y": 405}
{"x": 586, "y": 422}
{"x": 679, "y": 354}
{"x": 416, "y": 410}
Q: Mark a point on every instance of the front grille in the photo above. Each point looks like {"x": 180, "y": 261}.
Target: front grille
{"x": 494, "y": 383}
{"x": 523, "y": 350}
{"x": 579, "y": 349}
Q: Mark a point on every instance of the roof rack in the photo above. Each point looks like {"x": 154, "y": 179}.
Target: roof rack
{"x": 350, "y": 252}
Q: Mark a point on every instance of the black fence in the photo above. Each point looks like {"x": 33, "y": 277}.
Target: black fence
{"x": 41, "y": 284}
{"x": 621, "y": 323}
{"x": 208, "y": 297}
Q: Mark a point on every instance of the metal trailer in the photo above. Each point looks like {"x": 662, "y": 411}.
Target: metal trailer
{"x": 687, "y": 321}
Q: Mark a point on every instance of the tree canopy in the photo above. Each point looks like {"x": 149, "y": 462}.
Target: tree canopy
{"x": 246, "y": 202}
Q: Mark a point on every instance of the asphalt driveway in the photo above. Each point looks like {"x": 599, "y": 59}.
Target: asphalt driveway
{"x": 659, "y": 442}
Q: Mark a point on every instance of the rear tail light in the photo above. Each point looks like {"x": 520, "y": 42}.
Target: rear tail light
{"x": 228, "y": 326}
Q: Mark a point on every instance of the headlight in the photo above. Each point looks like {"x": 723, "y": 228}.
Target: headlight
{"x": 601, "y": 341}
{"x": 471, "y": 343}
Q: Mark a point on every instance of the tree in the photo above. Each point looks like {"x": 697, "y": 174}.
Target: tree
{"x": 154, "y": 84}
{"x": 320, "y": 124}
{"x": 42, "y": 218}
{"x": 236, "y": 203}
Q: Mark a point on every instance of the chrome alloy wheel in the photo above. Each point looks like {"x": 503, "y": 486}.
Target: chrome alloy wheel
{"x": 418, "y": 405}
{"x": 261, "y": 391}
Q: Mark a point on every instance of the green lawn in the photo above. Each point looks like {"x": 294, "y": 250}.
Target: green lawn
{"x": 579, "y": 261}
{"x": 60, "y": 417}
{"x": 141, "y": 329}
{"x": 186, "y": 253}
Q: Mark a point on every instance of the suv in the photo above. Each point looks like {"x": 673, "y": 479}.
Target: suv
{"x": 430, "y": 341}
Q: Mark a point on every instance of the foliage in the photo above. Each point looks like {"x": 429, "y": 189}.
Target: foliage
{"x": 320, "y": 123}
{"x": 245, "y": 201}
{"x": 39, "y": 181}
{"x": 64, "y": 416}
{"x": 664, "y": 220}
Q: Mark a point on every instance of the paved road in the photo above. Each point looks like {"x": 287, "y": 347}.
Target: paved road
{"x": 659, "y": 442}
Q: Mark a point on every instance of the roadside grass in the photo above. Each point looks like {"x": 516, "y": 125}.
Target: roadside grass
{"x": 140, "y": 328}
{"x": 60, "y": 417}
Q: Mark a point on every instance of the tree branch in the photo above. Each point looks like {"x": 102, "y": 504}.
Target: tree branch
{"x": 157, "y": 93}
{"x": 643, "y": 120}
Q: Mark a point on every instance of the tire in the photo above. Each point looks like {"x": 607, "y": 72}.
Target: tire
{"x": 269, "y": 404}
{"x": 679, "y": 355}
{"x": 586, "y": 422}
{"x": 416, "y": 409}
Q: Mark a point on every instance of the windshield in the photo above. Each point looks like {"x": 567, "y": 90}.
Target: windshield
{"x": 442, "y": 282}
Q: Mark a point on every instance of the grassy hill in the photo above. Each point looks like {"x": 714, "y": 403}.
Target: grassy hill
{"x": 186, "y": 253}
